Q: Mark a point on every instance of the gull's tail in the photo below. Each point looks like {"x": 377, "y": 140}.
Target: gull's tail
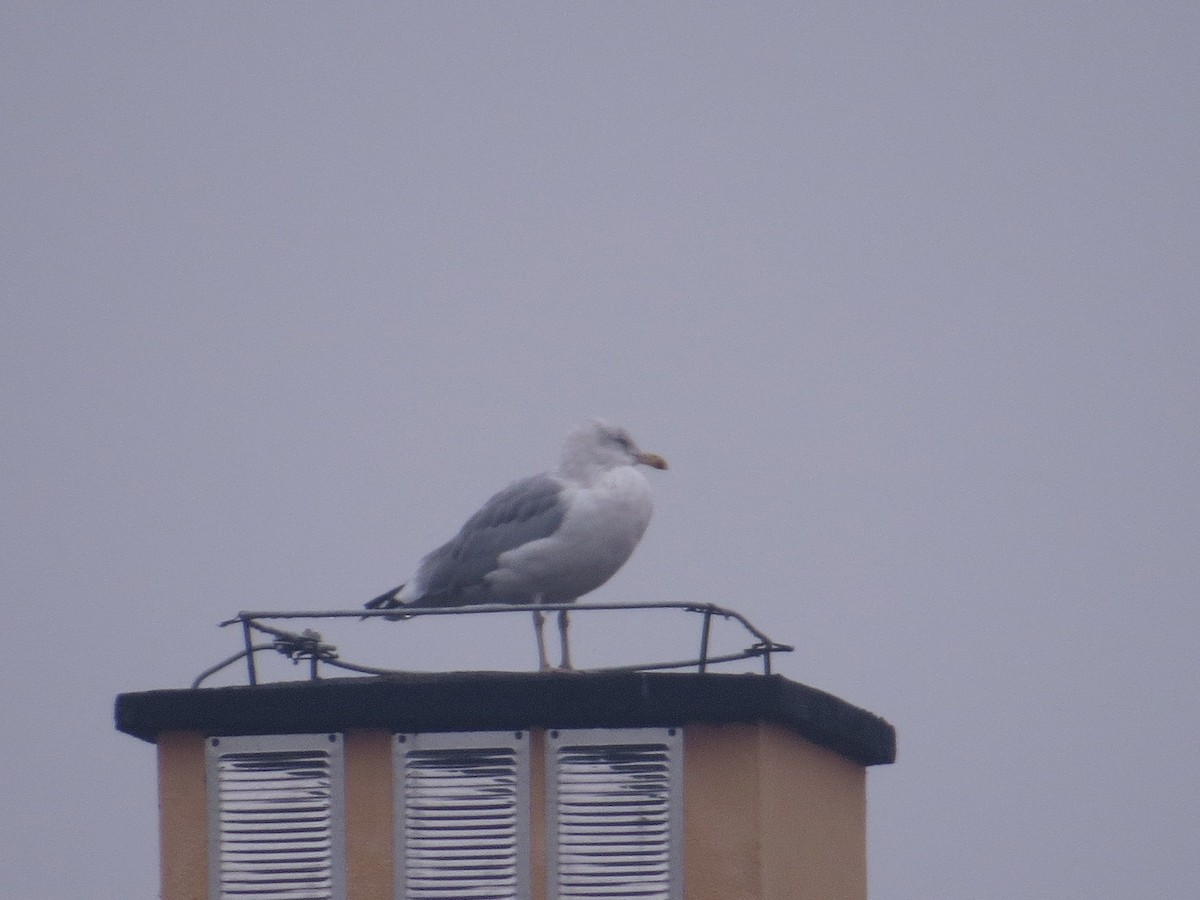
{"x": 388, "y": 600}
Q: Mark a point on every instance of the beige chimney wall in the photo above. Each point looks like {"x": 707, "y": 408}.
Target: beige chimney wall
{"x": 768, "y": 815}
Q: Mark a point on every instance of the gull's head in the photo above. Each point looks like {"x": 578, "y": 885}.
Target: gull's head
{"x": 598, "y": 446}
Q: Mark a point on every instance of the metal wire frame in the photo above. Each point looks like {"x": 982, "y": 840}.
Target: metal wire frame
{"x": 307, "y": 645}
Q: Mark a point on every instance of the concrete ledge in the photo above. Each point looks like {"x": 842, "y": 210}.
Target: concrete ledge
{"x": 482, "y": 701}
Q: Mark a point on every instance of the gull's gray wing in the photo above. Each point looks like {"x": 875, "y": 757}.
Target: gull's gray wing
{"x": 525, "y": 511}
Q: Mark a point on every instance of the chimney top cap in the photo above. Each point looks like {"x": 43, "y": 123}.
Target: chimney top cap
{"x": 491, "y": 701}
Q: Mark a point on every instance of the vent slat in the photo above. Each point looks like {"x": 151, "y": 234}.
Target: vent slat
{"x": 463, "y": 807}
{"x": 616, "y": 814}
{"x": 275, "y": 810}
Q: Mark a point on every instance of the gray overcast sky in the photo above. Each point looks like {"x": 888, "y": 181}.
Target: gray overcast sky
{"x": 908, "y": 294}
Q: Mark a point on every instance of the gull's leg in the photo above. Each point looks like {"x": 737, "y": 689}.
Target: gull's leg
{"x": 563, "y": 626}
{"x": 539, "y": 620}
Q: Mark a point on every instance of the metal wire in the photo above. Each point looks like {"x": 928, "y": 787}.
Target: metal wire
{"x": 308, "y": 645}
{"x": 213, "y": 670}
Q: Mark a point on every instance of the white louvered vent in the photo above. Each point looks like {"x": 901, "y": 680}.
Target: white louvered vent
{"x": 462, "y": 816}
{"x": 615, "y": 802}
{"x": 275, "y": 813}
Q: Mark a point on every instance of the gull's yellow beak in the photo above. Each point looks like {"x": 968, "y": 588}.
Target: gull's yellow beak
{"x": 653, "y": 460}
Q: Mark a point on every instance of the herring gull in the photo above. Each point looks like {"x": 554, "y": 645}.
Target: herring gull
{"x": 548, "y": 538}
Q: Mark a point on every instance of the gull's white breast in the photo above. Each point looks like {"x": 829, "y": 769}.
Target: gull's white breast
{"x": 603, "y": 524}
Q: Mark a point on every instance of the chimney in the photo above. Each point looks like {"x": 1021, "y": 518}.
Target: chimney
{"x": 672, "y": 785}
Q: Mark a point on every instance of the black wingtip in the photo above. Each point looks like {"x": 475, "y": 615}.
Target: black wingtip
{"x": 386, "y": 600}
